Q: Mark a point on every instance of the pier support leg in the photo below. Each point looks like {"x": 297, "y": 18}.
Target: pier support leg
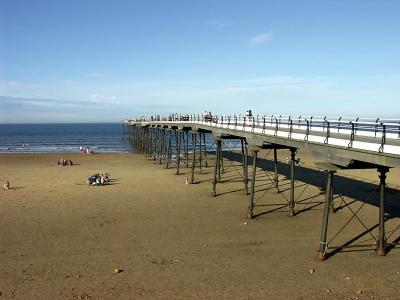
{"x": 158, "y": 144}
{"x": 187, "y": 149}
{"x": 200, "y": 155}
{"x": 276, "y": 177}
{"x": 253, "y": 184}
{"x": 160, "y": 157}
{"x": 291, "y": 199}
{"x": 221, "y": 167}
{"x": 145, "y": 141}
{"x": 142, "y": 137}
{"x": 381, "y": 245}
{"x": 216, "y": 167}
{"x": 205, "y": 151}
{"x": 245, "y": 166}
{"x": 165, "y": 150}
{"x": 154, "y": 144}
{"x": 219, "y": 162}
{"x": 332, "y": 206}
{"x": 324, "y": 230}
{"x": 178, "y": 150}
{"x": 149, "y": 144}
{"x": 169, "y": 149}
{"x": 194, "y": 157}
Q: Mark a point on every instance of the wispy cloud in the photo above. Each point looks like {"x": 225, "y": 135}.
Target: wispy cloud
{"x": 37, "y": 101}
{"x": 16, "y": 84}
{"x": 261, "y": 38}
{"x": 66, "y": 81}
{"x": 218, "y": 23}
{"x": 95, "y": 75}
{"x": 103, "y": 99}
{"x": 275, "y": 94}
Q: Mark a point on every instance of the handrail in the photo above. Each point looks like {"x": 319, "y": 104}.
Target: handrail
{"x": 306, "y": 128}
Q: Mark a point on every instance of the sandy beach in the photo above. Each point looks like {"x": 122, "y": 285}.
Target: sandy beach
{"x": 63, "y": 239}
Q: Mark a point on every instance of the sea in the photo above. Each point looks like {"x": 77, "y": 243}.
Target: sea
{"x": 45, "y": 138}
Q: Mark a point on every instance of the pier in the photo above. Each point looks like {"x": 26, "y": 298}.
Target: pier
{"x": 336, "y": 144}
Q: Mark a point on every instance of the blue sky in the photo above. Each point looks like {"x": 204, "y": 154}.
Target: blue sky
{"x": 88, "y": 61}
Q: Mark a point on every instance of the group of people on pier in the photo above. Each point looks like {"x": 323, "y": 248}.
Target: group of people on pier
{"x": 207, "y": 116}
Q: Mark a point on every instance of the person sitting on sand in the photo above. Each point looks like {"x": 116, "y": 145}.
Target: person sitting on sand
{"x": 6, "y": 186}
{"x": 65, "y": 162}
{"x": 94, "y": 179}
{"x": 107, "y": 177}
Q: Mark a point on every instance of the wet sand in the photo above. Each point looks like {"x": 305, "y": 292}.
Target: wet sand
{"x": 62, "y": 239}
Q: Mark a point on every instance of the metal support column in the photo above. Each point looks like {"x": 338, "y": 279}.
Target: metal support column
{"x": 292, "y": 200}
{"x": 169, "y": 148}
{"x": 200, "y": 154}
{"x": 245, "y": 166}
{"x": 158, "y": 144}
{"x": 150, "y": 141}
{"x": 381, "y": 245}
{"x": 276, "y": 177}
{"x": 154, "y": 144}
{"x": 178, "y": 150}
{"x": 205, "y": 151}
{"x": 222, "y": 170}
{"x": 187, "y": 149}
{"x": 324, "y": 230}
{"x": 219, "y": 156}
{"x": 253, "y": 184}
{"x": 161, "y": 146}
{"x": 332, "y": 206}
{"x": 194, "y": 157}
{"x": 216, "y": 167}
